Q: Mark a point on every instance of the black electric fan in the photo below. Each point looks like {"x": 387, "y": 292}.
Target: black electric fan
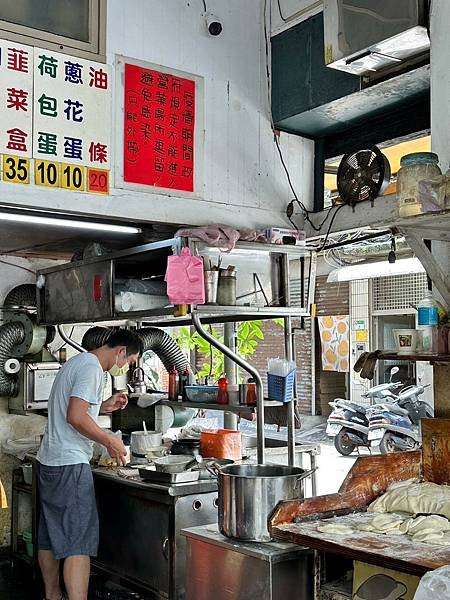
{"x": 363, "y": 175}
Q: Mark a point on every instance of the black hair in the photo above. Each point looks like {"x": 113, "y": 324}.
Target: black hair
{"x": 127, "y": 338}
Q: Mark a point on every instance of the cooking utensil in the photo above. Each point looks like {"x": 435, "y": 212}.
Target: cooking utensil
{"x": 149, "y": 474}
{"x": 176, "y": 464}
{"x": 240, "y": 516}
{"x": 142, "y": 441}
{"x": 189, "y": 447}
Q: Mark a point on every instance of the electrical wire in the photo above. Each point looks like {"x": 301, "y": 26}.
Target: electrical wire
{"x": 330, "y": 226}
{"x": 204, "y": 5}
{"x": 283, "y": 18}
{"x": 305, "y": 211}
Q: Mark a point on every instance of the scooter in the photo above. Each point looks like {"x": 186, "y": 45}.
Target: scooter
{"x": 348, "y": 422}
{"x": 395, "y": 426}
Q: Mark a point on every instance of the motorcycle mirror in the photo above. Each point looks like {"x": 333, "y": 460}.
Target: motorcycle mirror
{"x": 394, "y": 370}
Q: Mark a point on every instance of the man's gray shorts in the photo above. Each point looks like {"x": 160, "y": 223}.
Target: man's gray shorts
{"x": 68, "y": 519}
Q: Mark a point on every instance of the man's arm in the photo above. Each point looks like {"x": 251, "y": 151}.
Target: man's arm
{"x": 81, "y": 420}
{"x": 117, "y": 401}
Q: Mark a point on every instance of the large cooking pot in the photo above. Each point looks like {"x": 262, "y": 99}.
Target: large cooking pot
{"x": 249, "y": 493}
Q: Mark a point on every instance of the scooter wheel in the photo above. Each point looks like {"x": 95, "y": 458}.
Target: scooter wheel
{"x": 387, "y": 444}
{"x": 343, "y": 444}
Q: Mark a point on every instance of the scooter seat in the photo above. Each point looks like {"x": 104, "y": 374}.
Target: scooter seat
{"x": 395, "y": 408}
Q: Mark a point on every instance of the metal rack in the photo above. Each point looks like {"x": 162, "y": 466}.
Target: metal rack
{"x": 274, "y": 281}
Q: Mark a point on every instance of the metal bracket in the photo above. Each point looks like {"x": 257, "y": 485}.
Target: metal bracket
{"x": 415, "y": 238}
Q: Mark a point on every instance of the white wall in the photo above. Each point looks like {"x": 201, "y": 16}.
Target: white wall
{"x": 244, "y": 184}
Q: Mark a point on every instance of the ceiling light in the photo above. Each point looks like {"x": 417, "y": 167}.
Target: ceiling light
{"x": 404, "y": 266}
{"x": 70, "y": 223}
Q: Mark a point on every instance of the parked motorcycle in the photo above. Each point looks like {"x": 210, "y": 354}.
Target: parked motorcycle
{"x": 395, "y": 426}
{"x": 348, "y": 422}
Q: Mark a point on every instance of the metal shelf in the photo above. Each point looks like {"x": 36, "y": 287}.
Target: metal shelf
{"x": 219, "y": 314}
{"x": 236, "y": 409}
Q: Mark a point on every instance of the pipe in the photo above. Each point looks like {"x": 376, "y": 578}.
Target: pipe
{"x": 21, "y": 295}
{"x": 152, "y": 338}
{"x": 289, "y": 353}
{"x": 69, "y": 341}
{"x": 11, "y": 334}
{"x": 251, "y": 370}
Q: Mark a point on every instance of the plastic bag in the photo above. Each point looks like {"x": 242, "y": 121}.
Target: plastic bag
{"x": 185, "y": 280}
{"x": 105, "y": 460}
{"x": 434, "y": 584}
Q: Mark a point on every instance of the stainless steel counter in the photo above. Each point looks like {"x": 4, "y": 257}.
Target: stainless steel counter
{"x": 140, "y": 524}
{"x": 223, "y": 568}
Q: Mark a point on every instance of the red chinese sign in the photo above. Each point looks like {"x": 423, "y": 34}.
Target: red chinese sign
{"x": 159, "y": 122}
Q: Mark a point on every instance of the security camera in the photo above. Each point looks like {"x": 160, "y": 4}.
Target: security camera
{"x": 213, "y": 24}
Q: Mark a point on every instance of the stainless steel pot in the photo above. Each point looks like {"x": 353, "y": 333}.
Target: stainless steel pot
{"x": 249, "y": 493}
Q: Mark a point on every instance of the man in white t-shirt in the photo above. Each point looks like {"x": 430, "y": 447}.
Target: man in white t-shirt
{"x": 68, "y": 520}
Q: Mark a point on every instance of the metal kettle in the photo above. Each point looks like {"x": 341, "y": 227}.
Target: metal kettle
{"x": 137, "y": 381}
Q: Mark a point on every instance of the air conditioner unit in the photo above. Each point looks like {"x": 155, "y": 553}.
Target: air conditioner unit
{"x": 365, "y": 36}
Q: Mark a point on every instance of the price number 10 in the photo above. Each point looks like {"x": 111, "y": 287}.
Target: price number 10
{"x": 73, "y": 177}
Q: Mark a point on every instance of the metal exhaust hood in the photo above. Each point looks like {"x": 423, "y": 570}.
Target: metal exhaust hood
{"x": 363, "y": 36}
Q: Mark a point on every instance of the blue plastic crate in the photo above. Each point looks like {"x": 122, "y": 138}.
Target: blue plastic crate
{"x": 280, "y": 388}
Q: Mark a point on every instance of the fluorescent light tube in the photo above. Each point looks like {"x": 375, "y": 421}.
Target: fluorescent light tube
{"x": 70, "y": 223}
{"x": 403, "y": 266}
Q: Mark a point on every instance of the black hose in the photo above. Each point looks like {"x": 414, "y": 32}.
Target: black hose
{"x": 11, "y": 334}
{"x": 154, "y": 339}
{"x": 21, "y": 295}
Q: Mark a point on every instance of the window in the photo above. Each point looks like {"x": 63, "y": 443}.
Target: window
{"x": 77, "y": 27}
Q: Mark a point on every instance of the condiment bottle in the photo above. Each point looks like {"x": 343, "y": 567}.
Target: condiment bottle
{"x": 184, "y": 379}
{"x": 251, "y": 392}
{"x": 222, "y": 394}
{"x": 173, "y": 384}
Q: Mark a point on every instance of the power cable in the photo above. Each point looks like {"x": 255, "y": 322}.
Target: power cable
{"x": 330, "y": 226}
{"x": 204, "y": 5}
{"x": 281, "y": 12}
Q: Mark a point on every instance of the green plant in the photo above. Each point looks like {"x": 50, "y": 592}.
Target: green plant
{"x": 248, "y": 336}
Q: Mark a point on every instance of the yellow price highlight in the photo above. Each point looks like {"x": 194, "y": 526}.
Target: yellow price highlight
{"x": 16, "y": 169}
{"x": 47, "y": 173}
{"x": 73, "y": 177}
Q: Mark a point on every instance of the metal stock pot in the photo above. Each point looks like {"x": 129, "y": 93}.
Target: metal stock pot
{"x": 249, "y": 493}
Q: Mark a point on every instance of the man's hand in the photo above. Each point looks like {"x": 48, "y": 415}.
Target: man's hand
{"x": 117, "y": 450}
{"x": 116, "y": 402}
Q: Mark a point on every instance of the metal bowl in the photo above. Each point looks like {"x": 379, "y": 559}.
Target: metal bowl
{"x": 172, "y": 464}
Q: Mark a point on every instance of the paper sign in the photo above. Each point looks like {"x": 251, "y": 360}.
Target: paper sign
{"x": 16, "y": 98}
{"x": 72, "y": 109}
{"x": 362, "y": 335}
{"x": 159, "y": 126}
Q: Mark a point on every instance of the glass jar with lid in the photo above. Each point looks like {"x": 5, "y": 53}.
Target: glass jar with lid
{"x": 415, "y": 167}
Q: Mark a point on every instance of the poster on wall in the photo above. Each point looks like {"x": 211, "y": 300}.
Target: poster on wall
{"x": 334, "y": 337}
{"x": 16, "y": 99}
{"x": 159, "y": 129}
{"x": 72, "y": 108}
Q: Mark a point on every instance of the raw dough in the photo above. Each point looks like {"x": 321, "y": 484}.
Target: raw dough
{"x": 404, "y": 527}
{"x": 432, "y": 522}
{"x": 335, "y": 528}
{"x": 407, "y": 496}
{"x": 386, "y": 522}
{"x": 428, "y": 536}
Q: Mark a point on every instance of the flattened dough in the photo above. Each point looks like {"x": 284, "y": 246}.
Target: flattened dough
{"x": 428, "y": 536}
{"x": 413, "y": 498}
{"x": 335, "y": 528}
{"x": 432, "y": 522}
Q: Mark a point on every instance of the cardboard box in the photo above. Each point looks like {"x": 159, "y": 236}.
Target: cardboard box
{"x": 375, "y": 583}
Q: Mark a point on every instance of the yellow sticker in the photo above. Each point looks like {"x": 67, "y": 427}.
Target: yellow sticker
{"x": 16, "y": 169}
{"x": 73, "y": 177}
{"x": 47, "y": 173}
{"x": 362, "y": 335}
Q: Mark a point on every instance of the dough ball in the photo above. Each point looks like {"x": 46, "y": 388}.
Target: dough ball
{"x": 335, "y": 528}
